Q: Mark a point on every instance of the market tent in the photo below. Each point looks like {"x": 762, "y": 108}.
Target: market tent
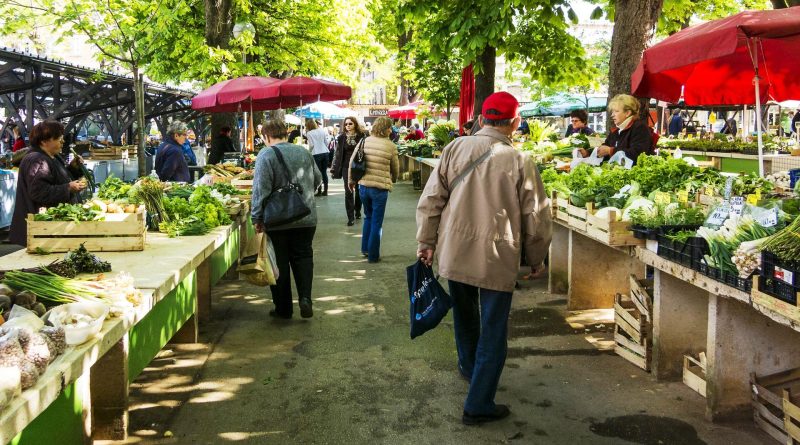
{"x": 234, "y": 95}
{"x": 323, "y": 110}
{"x": 561, "y": 104}
{"x": 296, "y": 91}
{"x": 408, "y": 111}
{"x": 722, "y": 62}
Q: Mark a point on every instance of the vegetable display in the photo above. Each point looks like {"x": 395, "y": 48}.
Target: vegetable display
{"x": 113, "y": 189}
{"x": 70, "y": 212}
{"x": 150, "y": 191}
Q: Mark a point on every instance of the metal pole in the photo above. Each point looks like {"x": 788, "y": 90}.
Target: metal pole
{"x": 758, "y": 127}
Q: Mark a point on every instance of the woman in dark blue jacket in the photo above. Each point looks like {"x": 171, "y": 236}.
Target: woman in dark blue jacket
{"x": 170, "y": 164}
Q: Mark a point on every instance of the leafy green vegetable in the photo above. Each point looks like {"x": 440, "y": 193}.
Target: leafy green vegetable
{"x": 69, "y": 212}
{"x": 113, "y": 189}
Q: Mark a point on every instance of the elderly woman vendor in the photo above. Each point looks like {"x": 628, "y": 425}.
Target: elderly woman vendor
{"x": 631, "y": 134}
{"x": 44, "y": 179}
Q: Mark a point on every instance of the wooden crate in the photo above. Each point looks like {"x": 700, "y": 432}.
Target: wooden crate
{"x": 632, "y": 334}
{"x": 642, "y": 296}
{"x": 611, "y": 232}
{"x": 244, "y": 184}
{"x": 791, "y": 418}
{"x": 572, "y": 215}
{"x": 694, "y": 374}
{"x": 767, "y": 301}
{"x": 119, "y": 232}
{"x": 769, "y": 402}
{"x": 113, "y": 152}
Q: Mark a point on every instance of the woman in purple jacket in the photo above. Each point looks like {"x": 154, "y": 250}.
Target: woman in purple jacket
{"x": 44, "y": 178}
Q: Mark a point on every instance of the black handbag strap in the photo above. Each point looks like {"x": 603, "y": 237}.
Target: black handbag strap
{"x": 286, "y": 171}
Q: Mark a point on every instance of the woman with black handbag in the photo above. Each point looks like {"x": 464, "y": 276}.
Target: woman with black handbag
{"x": 283, "y": 205}
{"x": 346, "y": 144}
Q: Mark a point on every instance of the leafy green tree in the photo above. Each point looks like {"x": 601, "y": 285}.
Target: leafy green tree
{"x": 439, "y": 83}
{"x": 531, "y": 32}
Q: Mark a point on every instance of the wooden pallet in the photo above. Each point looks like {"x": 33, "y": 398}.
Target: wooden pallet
{"x": 632, "y": 333}
{"x": 119, "y": 232}
{"x": 611, "y": 232}
{"x": 767, "y": 301}
{"x": 771, "y": 395}
{"x": 694, "y": 374}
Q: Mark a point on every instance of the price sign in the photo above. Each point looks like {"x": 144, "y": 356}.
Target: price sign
{"x": 662, "y": 198}
{"x": 768, "y": 219}
{"x": 719, "y": 215}
{"x": 728, "y": 188}
{"x": 683, "y": 196}
{"x": 737, "y": 205}
{"x": 752, "y": 199}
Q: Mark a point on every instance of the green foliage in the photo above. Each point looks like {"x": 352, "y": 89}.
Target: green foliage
{"x": 113, "y": 189}
{"x": 442, "y": 133}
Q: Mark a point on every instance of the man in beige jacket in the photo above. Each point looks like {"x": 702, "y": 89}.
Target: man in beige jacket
{"x": 483, "y": 204}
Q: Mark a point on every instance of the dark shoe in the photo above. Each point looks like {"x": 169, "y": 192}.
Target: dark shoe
{"x": 358, "y": 216}
{"x": 500, "y": 412}
{"x": 325, "y": 193}
{"x": 364, "y": 254}
{"x": 305, "y": 308}
{"x": 274, "y": 314}
{"x": 464, "y": 374}
{"x": 351, "y": 222}
{"x": 374, "y": 261}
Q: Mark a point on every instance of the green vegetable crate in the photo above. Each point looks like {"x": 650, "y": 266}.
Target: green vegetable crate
{"x": 118, "y": 232}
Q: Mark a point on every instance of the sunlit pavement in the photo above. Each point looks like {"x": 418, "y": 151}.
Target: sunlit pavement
{"x": 351, "y": 375}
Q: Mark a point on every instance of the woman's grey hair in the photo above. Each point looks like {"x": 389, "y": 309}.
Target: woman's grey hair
{"x": 176, "y": 127}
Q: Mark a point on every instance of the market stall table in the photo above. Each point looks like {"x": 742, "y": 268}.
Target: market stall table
{"x": 175, "y": 275}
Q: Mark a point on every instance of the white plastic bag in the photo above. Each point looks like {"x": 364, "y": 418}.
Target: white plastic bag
{"x": 21, "y": 318}
{"x": 77, "y": 333}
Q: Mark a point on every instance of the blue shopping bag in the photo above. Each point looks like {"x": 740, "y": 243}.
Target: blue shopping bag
{"x": 429, "y": 301}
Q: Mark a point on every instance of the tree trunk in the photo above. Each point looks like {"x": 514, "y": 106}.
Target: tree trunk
{"x": 634, "y": 23}
{"x": 402, "y": 41}
{"x": 484, "y": 81}
{"x": 138, "y": 99}
{"x": 218, "y": 32}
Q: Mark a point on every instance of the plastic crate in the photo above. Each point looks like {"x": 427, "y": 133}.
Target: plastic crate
{"x": 778, "y": 289}
{"x": 641, "y": 232}
{"x": 773, "y": 268}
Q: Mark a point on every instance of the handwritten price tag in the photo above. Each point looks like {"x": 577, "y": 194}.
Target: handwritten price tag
{"x": 719, "y": 216}
{"x": 662, "y": 198}
{"x": 768, "y": 219}
{"x": 737, "y": 205}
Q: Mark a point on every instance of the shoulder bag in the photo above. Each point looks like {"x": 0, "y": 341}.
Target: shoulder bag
{"x": 469, "y": 169}
{"x": 358, "y": 166}
{"x": 285, "y": 204}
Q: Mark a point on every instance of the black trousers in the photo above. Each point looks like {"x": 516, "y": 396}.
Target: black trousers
{"x": 352, "y": 200}
{"x": 322, "y": 164}
{"x": 294, "y": 253}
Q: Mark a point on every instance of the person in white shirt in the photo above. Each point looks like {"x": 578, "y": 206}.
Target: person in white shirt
{"x": 317, "y": 142}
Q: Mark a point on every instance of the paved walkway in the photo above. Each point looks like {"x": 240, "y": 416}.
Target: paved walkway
{"x": 351, "y": 375}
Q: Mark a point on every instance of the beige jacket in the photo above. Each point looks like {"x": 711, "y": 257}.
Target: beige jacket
{"x": 383, "y": 166}
{"x": 479, "y": 229}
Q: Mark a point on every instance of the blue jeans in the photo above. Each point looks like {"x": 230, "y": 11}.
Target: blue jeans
{"x": 480, "y": 319}
{"x": 374, "y": 201}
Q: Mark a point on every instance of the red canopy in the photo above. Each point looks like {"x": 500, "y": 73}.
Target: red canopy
{"x": 712, "y": 61}
{"x": 299, "y": 90}
{"x": 408, "y": 111}
{"x": 229, "y": 95}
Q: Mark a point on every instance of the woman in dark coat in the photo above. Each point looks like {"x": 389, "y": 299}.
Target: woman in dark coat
{"x": 44, "y": 179}
{"x": 631, "y": 134}
{"x": 346, "y": 144}
{"x": 170, "y": 163}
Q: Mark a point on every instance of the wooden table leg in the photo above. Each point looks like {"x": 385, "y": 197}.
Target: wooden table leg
{"x": 597, "y": 272}
{"x": 204, "y": 291}
{"x": 109, "y": 393}
{"x": 741, "y": 341}
{"x": 680, "y": 321}
{"x": 558, "y": 265}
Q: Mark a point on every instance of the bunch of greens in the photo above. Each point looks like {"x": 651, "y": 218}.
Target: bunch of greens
{"x": 180, "y": 191}
{"x": 150, "y": 191}
{"x": 180, "y": 226}
{"x": 70, "y": 212}
{"x": 541, "y": 131}
{"x": 748, "y": 184}
{"x": 422, "y": 148}
{"x": 724, "y": 241}
{"x": 663, "y": 173}
{"x": 227, "y": 189}
{"x": 113, "y": 189}
{"x": 208, "y": 208}
{"x": 85, "y": 262}
{"x": 786, "y": 243}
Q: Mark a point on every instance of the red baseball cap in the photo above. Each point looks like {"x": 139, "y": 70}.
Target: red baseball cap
{"x": 500, "y": 105}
